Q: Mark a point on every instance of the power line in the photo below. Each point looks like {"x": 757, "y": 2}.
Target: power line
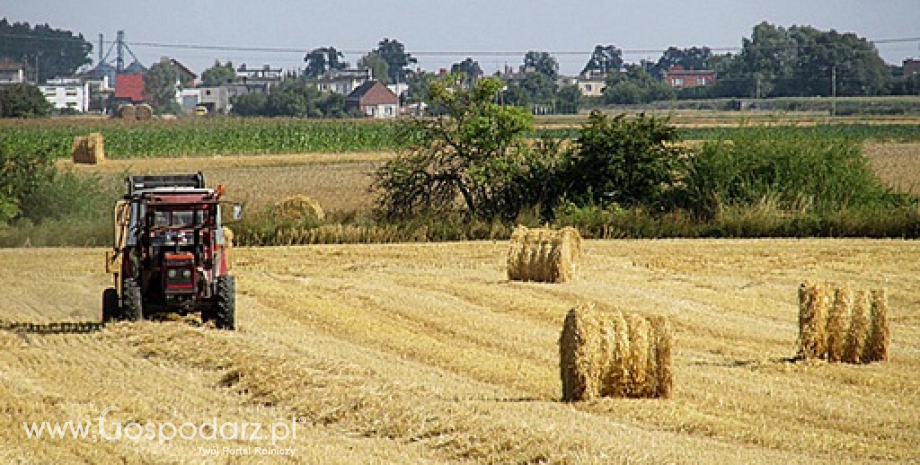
{"x": 420, "y": 53}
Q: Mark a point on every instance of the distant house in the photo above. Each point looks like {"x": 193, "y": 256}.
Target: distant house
{"x": 911, "y": 67}
{"x": 343, "y": 81}
{"x": 592, "y": 83}
{"x": 11, "y": 72}
{"x": 129, "y": 88}
{"x": 374, "y": 100}
{"x": 73, "y": 94}
{"x": 215, "y": 99}
{"x": 680, "y": 78}
{"x": 186, "y": 76}
{"x": 259, "y": 80}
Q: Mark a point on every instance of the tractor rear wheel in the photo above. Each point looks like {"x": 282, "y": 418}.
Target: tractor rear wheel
{"x": 132, "y": 300}
{"x": 111, "y": 309}
{"x": 225, "y": 314}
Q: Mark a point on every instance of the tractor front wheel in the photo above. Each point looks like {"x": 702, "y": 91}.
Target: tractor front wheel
{"x": 132, "y": 300}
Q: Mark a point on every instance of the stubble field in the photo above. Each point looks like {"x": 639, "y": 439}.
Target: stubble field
{"x": 426, "y": 353}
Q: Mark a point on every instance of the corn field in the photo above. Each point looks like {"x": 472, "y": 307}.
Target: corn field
{"x": 204, "y": 137}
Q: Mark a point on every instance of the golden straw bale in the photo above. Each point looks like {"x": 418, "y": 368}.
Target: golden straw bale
{"x": 838, "y": 323}
{"x": 859, "y": 328}
{"x": 581, "y": 354}
{"x": 299, "y": 207}
{"x": 664, "y": 339}
{"x": 879, "y": 333}
{"x": 543, "y": 255}
{"x": 127, "y": 112}
{"x": 813, "y": 303}
{"x": 143, "y": 112}
{"x": 89, "y": 149}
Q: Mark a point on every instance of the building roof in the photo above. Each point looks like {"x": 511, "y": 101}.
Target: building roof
{"x": 7, "y": 64}
{"x": 130, "y": 87}
{"x": 183, "y": 69}
{"x": 372, "y": 93}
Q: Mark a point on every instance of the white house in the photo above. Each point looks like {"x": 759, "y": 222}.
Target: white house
{"x": 343, "y": 81}
{"x": 67, "y": 93}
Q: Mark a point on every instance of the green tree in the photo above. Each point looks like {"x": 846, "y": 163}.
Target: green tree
{"x": 23, "y": 101}
{"x": 218, "y": 75}
{"x": 420, "y": 86}
{"x": 543, "y": 63}
{"x": 625, "y": 161}
{"x": 398, "y": 60}
{"x": 161, "y": 83}
{"x": 253, "y": 104}
{"x": 52, "y": 52}
{"x": 378, "y": 66}
{"x": 568, "y": 100}
{"x": 698, "y": 58}
{"x": 605, "y": 59}
{"x": 636, "y": 85}
{"x": 467, "y": 157}
{"x": 470, "y": 69}
{"x": 321, "y": 60}
{"x": 533, "y": 89}
{"x": 802, "y": 61}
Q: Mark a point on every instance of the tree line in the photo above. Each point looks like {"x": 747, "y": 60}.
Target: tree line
{"x": 798, "y": 61}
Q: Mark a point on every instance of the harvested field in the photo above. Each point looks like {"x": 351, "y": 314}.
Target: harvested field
{"x": 427, "y": 353}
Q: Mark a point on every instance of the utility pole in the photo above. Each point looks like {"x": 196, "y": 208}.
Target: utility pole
{"x": 834, "y": 90}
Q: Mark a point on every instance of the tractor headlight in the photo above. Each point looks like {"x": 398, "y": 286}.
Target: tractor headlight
{"x": 186, "y": 274}
{"x": 172, "y": 274}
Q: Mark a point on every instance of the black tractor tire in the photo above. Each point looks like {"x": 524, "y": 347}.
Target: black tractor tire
{"x": 225, "y": 312}
{"x": 132, "y": 308}
{"x": 111, "y": 307}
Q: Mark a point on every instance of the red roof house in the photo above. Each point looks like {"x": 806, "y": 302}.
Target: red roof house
{"x": 681, "y": 78}
{"x": 130, "y": 88}
{"x": 373, "y": 99}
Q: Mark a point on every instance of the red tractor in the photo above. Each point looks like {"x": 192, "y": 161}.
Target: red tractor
{"x": 170, "y": 252}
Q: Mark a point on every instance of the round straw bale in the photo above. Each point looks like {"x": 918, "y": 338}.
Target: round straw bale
{"x": 299, "y": 207}
{"x": 127, "y": 112}
{"x": 581, "y": 357}
{"x": 813, "y": 302}
{"x": 143, "y": 112}
{"x": 838, "y": 323}
{"x": 880, "y": 333}
{"x": 859, "y": 328}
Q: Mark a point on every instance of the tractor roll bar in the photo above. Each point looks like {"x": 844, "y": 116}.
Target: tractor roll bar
{"x": 135, "y": 183}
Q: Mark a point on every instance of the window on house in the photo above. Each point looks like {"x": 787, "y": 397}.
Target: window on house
{"x": 678, "y": 82}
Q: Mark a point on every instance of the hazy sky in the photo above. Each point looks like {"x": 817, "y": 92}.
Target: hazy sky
{"x": 438, "y": 33}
